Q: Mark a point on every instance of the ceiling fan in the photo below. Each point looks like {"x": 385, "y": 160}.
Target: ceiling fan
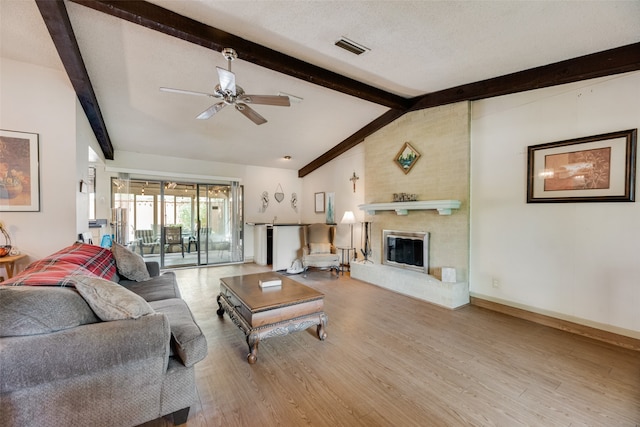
{"x": 232, "y": 94}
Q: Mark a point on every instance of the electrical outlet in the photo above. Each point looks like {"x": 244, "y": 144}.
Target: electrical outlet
{"x": 496, "y": 283}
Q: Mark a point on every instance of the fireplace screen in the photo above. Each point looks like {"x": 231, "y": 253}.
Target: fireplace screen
{"x": 406, "y": 249}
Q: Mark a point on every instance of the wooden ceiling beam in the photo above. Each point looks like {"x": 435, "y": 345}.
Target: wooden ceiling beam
{"x": 613, "y": 61}
{"x": 57, "y": 21}
{"x": 351, "y": 141}
{"x": 601, "y": 64}
{"x": 167, "y": 22}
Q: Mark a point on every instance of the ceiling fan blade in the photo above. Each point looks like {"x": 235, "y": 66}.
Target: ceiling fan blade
{"x": 227, "y": 80}
{"x": 251, "y": 114}
{"x": 211, "y": 111}
{"x": 185, "y": 92}
{"x": 282, "y": 101}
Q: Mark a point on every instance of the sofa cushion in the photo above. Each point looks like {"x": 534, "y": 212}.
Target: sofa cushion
{"x": 186, "y": 337}
{"x": 157, "y": 288}
{"x": 321, "y": 260}
{"x": 109, "y": 300}
{"x": 320, "y": 248}
{"x": 40, "y": 310}
{"x": 129, "y": 264}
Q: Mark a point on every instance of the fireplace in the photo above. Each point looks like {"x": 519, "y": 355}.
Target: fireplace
{"x": 405, "y": 249}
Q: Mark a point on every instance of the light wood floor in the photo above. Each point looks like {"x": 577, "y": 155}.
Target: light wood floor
{"x": 390, "y": 360}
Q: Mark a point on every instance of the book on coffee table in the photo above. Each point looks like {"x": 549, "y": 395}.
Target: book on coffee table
{"x": 270, "y": 282}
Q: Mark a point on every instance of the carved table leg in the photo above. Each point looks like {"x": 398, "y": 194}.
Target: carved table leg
{"x": 253, "y": 340}
{"x": 322, "y": 334}
{"x": 220, "y": 310}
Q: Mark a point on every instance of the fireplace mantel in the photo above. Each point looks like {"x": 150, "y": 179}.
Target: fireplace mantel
{"x": 402, "y": 208}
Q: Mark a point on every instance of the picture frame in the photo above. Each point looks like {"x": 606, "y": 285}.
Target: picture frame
{"x": 19, "y": 172}
{"x": 599, "y": 168}
{"x": 330, "y": 210}
{"x": 319, "y": 202}
{"x": 407, "y": 157}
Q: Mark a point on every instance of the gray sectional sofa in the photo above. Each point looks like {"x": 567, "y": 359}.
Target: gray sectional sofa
{"x": 62, "y": 363}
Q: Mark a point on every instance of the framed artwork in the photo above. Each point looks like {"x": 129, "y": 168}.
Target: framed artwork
{"x": 598, "y": 168}
{"x": 407, "y": 157}
{"x": 330, "y": 214}
{"x": 319, "y": 202}
{"x": 19, "y": 172}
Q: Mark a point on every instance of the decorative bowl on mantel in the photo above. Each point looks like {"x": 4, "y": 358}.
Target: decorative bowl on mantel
{"x": 404, "y": 197}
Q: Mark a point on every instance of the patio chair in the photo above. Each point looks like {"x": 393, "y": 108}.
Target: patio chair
{"x": 172, "y": 237}
{"x": 147, "y": 239}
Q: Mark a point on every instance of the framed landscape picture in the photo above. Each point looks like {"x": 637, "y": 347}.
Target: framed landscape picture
{"x": 19, "y": 172}
{"x": 407, "y": 157}
{"x": 597, "y": 168}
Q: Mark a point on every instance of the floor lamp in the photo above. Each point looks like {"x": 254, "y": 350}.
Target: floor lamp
{"x": 349, "y": 218}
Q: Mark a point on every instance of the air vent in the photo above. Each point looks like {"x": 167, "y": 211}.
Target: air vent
{"x": 351, "y": 46}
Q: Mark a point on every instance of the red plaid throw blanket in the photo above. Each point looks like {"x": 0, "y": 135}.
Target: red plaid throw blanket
{"x": 79, "y": 258}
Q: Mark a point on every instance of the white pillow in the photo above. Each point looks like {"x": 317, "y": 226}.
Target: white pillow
{"x": 320, "y": 248}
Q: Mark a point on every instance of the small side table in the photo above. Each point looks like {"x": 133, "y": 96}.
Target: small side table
{"x": 8, "y": 262}
{"x": 344, "y": 264}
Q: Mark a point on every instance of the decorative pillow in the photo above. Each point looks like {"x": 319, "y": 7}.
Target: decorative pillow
{"x": 320, "y": 248}
{"x": 129, "y": 264}
{"x": 109, "y": 300}
{"x": 26, "y": 310}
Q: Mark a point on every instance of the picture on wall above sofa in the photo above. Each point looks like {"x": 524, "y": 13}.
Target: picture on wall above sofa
{"x": 19, "y": 172}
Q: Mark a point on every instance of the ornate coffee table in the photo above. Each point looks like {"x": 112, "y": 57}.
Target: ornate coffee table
{"x": 263, "y": 313}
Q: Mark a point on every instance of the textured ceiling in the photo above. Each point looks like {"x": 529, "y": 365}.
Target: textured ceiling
{"x": 416, "y": 48}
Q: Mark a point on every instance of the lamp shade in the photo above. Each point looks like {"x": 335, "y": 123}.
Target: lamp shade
{"x": 348, "y": 218}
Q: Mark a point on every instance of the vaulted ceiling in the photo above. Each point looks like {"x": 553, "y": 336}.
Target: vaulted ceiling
{"x": 419, "y": 54}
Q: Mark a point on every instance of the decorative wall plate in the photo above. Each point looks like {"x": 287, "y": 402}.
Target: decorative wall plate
{"x": 278, "y": 195}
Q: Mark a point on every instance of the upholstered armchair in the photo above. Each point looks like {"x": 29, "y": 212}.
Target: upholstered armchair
{"x": 318, "y": 250}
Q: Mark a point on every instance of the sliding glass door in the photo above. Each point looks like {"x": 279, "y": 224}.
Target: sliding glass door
{"x": 219, "y": 236}
{"x": 179, "y": 223}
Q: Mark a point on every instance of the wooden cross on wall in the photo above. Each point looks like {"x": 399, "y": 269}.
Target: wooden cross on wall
{"x": 354, "y": 178}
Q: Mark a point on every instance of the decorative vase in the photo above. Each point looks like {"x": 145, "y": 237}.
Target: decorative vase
{"x": 6, "y": 248}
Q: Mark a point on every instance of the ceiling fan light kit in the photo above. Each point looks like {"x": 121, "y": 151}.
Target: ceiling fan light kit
{"x": 232, "y": 94}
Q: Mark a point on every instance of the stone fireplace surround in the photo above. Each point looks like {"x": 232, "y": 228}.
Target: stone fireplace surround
{"x": 441, "y": 136}
{"x": 411, "y": 282}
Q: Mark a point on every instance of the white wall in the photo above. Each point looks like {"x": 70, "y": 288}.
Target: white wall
{"x": 40, "y": 100}
{"x": 334, "y": 177}
{"x": 258, "y": 180}
{"x": 84, "y": 138}
{"x": 574, "y": 261}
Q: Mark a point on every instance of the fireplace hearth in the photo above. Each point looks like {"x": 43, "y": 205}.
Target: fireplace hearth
{"x": 406, "y": 249}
